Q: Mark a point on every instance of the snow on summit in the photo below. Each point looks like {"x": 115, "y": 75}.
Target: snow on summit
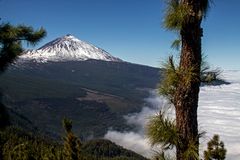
{"x": 67, "y": 48}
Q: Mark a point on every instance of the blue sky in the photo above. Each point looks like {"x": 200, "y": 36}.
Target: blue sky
{"x": 129, "y": 29}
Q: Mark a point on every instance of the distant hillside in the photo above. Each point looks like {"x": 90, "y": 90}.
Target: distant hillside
{"x": 94, "y": 94}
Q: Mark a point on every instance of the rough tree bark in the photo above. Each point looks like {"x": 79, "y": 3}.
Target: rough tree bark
{"x": 186, "y": 96}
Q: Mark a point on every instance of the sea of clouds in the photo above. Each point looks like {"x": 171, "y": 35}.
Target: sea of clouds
{"x": 218, "y": 113}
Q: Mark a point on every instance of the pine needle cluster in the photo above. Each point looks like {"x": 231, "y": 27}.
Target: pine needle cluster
{"x": 72, "y": 145}
{"x": 173, "y": 75}
{"x": 162, "y": 130}
{"x": 11, "y": 39}
{"x": 178, "y": 13}
{"x": 215, "y": 150}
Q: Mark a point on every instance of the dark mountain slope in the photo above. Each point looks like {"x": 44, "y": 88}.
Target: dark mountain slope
{"x": 94, "y": 94}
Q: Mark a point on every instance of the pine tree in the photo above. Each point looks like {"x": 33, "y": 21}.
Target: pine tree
{"x": 72, "y": 145}
{"x": 11, "y": 39}
{"x": 216, "y": 149}
{"x": 182, "y": 82}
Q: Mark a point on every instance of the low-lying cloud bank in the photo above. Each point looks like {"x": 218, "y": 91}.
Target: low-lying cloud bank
{"x": 136, "y": 140}
{"x": 219, "y": 113}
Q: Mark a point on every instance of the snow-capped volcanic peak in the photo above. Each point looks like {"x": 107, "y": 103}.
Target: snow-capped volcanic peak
{"x": 68, "y": 48}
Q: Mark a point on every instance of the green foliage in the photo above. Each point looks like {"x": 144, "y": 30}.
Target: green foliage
{"x": 176, "y": 44}
{"x": 11, "y": 38}
{"x": 204, "y": 65}
{"x": 180, "y": 17}
{"x": 72, "y": 145}
{"x": 106, "y": 148}
{"x": 208, "y": 75}
{"x": 178, "y": 13}
{"x": 173, "y": 75}
{"x": 191, "y": 151}
{"x": 18, "y": 144}
{"x": 162, "y": 131}
{"x": 215, "y": 150}
{"x": 67, "y": 125}
{"x": 168, "y": 85}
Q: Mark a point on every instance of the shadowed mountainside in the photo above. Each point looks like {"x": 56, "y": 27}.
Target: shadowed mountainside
{"x": 94, "y": 94}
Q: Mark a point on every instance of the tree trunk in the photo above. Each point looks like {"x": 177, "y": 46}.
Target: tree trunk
{"x": 186, "y": 96}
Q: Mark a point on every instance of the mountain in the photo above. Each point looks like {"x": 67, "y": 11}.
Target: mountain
{"x": 78, "y": 81}
{"x": 95, "y": 94}
{"x": 68, "y": 48}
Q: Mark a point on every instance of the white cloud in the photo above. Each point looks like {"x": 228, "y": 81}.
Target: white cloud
{"x": 131, "y": 140}
{"x": 218, "y": 113}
